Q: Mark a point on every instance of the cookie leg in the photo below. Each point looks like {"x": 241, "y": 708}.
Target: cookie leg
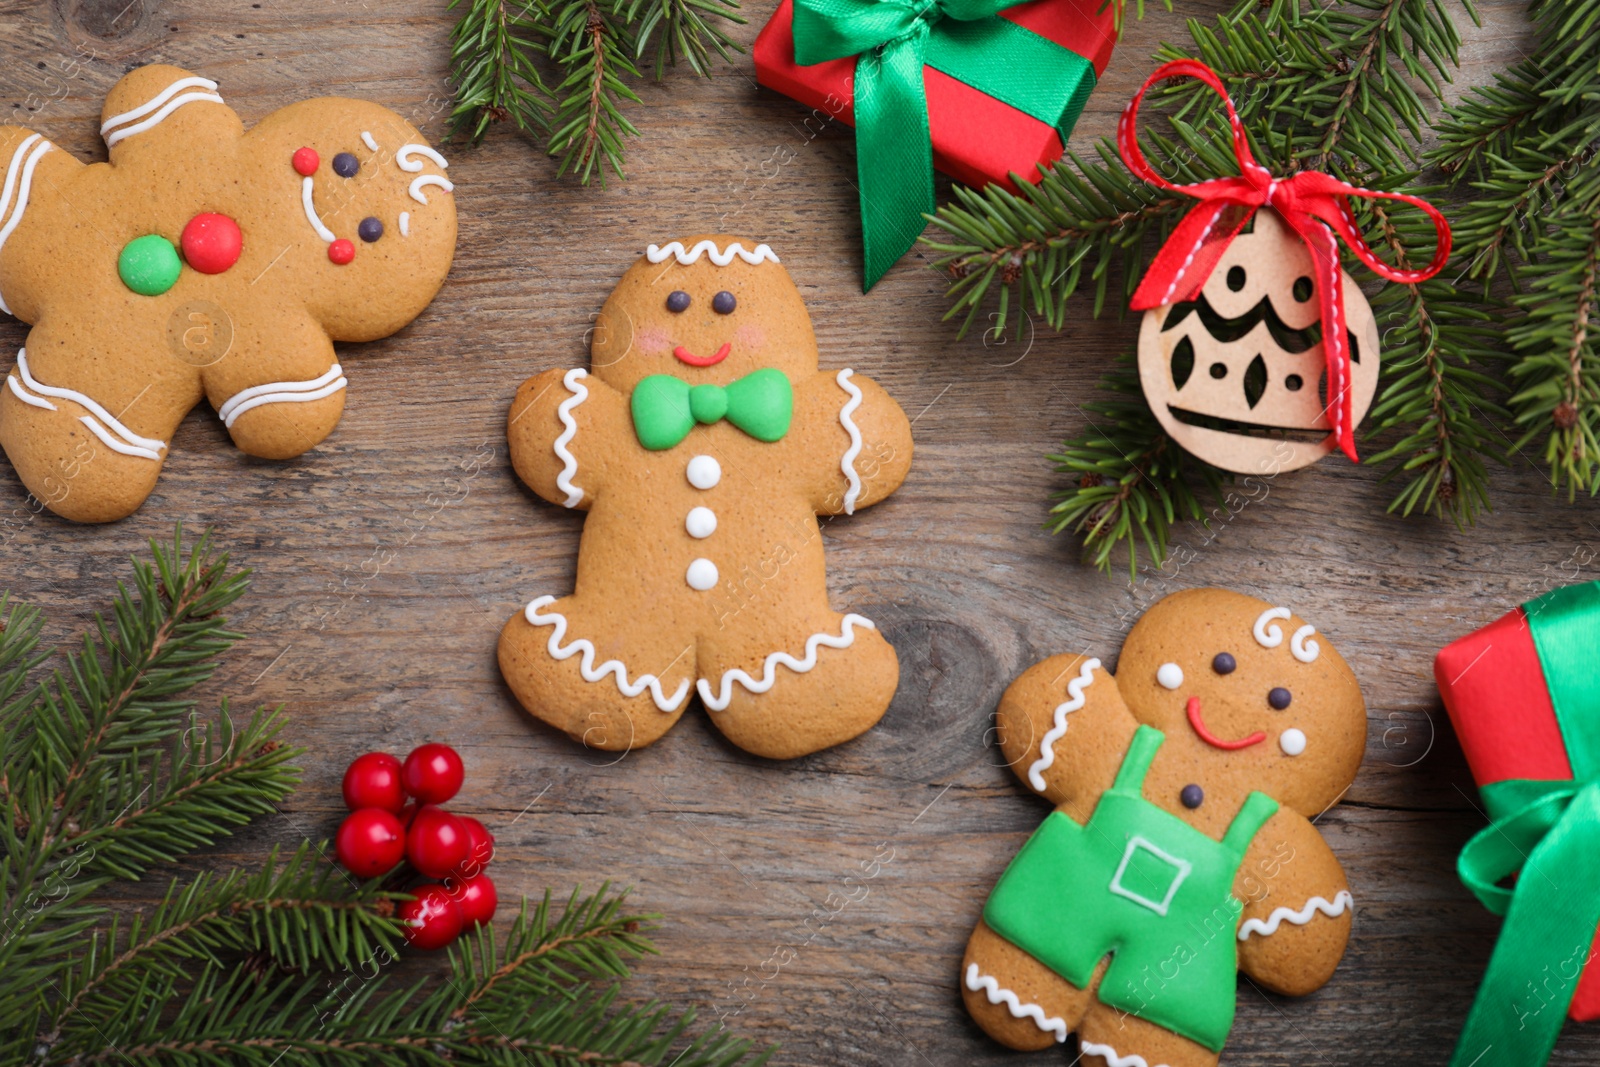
{"x": 279, "y": 390}
{"x": 1017, "y": 1000}
{"x": 827, "y": 682}
{"x": 571, "y": 665}
{"x": 1110, "y": 1038}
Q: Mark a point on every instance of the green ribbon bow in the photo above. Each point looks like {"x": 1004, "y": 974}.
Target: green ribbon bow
{"x": 894, "y": 40}
{"x": 1551, "y": 831}
{"x": 665, "y": 408}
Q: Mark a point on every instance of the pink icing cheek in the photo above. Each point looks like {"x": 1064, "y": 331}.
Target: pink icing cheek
{"x": 749, "y": 337}
{"x": 653, "y": 341}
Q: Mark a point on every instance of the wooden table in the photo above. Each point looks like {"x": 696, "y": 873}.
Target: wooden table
{"x": 387, "y": 560}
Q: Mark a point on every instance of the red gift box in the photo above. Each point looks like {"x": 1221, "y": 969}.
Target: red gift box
{"x": 976, "y": 138}
{"x": 1494, "y": 687}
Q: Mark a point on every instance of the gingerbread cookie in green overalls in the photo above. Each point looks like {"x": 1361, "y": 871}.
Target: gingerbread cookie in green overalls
{"x": 1181, "y": 849}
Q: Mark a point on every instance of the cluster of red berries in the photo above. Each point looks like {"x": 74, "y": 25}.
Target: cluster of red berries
{"x": 395, "y": 815}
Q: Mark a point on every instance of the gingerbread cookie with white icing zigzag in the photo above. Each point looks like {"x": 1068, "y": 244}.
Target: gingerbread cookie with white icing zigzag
{"x": 203, "y": 262}
{"x": 703, "y": 442}
{"x": 1181, "y": 850}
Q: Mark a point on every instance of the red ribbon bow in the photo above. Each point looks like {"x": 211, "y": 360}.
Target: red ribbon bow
{"x": 1310, "y": 202}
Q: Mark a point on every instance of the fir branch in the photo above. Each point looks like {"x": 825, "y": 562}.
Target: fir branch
{"x": 492, "y": 66}
{"x": 683, "y": 28}
{"x": 589, "y": 42}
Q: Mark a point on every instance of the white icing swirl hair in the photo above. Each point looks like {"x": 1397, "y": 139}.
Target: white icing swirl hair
{"x": 1269, "y": 634}
{"x": 721, "y": 257}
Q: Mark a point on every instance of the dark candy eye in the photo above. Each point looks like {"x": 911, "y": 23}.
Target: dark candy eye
{"x": 345, "y": 165}
{"x": 724, "y": 303}
{"x": 370, "y": 229}
{"x": 677, "y": 301}
{"x": 1192, "y": 796}
{"x": 1223, "y": 663}
{"x": 1278, "y": 698}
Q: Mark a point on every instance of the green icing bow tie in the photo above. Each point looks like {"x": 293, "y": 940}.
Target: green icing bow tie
{"x": 665, "y": 408}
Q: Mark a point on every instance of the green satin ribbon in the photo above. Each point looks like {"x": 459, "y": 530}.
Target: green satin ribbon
{"x": 1550, "y": 830}
{"x": 665, "y": 408}
{"x": 894, "y": 40}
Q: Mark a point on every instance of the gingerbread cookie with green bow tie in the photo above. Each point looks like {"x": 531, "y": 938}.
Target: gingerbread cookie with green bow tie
{"x": 203, "y": 262}
{"x": 703, "y": 441}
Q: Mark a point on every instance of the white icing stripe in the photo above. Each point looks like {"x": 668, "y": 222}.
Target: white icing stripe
{"x": 848, "y": 463}
{"x": 311, "y": 212}
{"x": 586, "y": 666}
{"x": 281, "y": 393}
{"x": 405, "y": 224}
{"x": 24, "y": 185}
{"x": 161, "y": 116}
{"x": 1047, "y": 745}
{"x": 366, "y": 139}
{"x": 28, "y": 398}
{"x": 159, "y": 99}
{"x": 429, "y": 179}
{"x": 412, "y": 166}
{"x": 990, "y": 988}
{"x": 573, "y": 380}
{"x": 661, "y": 253}
{"x": 147, "y": 443}
{"x": 115, "y": 445}
{"x": 1109, "y": 1054}
{"x": 1269, "y": 636}
{"x": 769, "y": 671}
{"x": 1342, "y": 900}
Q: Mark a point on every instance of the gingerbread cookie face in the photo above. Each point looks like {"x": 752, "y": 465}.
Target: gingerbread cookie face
{"x": 203, "y": 262}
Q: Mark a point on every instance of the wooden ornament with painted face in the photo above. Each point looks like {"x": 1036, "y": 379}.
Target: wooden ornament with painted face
{"x": 1237, "y": 376}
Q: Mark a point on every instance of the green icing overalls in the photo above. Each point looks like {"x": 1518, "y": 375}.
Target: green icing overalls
{"x": 1145, "y": 886}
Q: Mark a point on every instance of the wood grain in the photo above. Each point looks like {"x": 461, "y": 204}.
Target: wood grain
{"x": 387, "y": 560}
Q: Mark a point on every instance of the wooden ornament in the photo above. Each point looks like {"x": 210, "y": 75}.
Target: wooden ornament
{"x": 1236, "y": 376}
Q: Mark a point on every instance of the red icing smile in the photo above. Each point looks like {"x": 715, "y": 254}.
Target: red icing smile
{"x": 1212, "y": 739}
{"x": 686, "y": 356}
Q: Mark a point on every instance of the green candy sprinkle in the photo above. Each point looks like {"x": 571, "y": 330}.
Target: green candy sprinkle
{"x": 149, "y": 265}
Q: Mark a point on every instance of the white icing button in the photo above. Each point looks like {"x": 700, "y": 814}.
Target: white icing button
{"x": 702, "y": 522}
{"x": 1170, "y": 675}
{"x": 702, "y": 575}
{"x": 704, "y": 472}
{"x": 1292, "y": 741}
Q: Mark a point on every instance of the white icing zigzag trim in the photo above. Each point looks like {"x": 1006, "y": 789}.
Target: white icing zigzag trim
{"x": 26, "y": 173}
{"x": 661, "y": 253}
{"x": 586, "y": 666}
{"x": 1075, "y": 700}
{"x": 281, "y": 393}
{"x": 412, "y": 166}
{"x": 429, "y": 179}
{"x": 165, "y": 97}
{"x": 986, "y": 984}
{"x": 769, "y": 671}
{"x": 1342, "y": 900}
{"x": 311, "y": 212}
{"x": 573, "y": 380}
{"x": 848, "y": 463}
{"x": 130, "y": 443}
{"x": 1109, "y": 1054}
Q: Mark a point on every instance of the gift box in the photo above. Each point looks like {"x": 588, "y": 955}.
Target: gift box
{"x": 1524, "y": 696}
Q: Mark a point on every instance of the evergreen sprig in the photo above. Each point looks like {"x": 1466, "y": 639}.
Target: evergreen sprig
{"x": 109, "y": 770}
{"x": 594, "y": 50}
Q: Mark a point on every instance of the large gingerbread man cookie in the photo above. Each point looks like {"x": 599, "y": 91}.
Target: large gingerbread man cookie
{"x": 704, "y": 442}
{"x": 203, "y": 262}
{"x": 1181, "y": 850}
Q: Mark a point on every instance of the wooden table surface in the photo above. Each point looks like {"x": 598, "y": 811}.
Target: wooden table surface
{"x": 387, "y": 559}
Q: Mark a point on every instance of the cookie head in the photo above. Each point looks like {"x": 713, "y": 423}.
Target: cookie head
{"x": 1251, "y": 692}
{"x": 372, "y": 219}
{"x": 707, "y": 309}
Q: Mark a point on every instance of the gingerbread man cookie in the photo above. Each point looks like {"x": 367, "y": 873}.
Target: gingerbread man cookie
{"x": 203, "y": 262}
{"x": 703, "y": 442}
{"x": 1181, "y": 850}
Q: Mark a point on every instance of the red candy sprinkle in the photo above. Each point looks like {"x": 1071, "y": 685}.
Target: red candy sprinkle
{"x": 211, "y": 243}
{"x": 306, "y": 161}
{"x": 341, "y": 251}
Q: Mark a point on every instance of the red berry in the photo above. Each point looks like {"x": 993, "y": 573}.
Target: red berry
{"x": 370, "y": 841}
{"x": 436, "y": 843}
{"x": 373, "y": 781}
{"x": 211, "y": 243}
{"x": 306, "y": 161}
{"x": 432, "y": 920}
{"x": 433, "y": 773}
{"x": 341, "y": 251}
{"x": 480, "y": 847}
{"x": 477, "y": 898}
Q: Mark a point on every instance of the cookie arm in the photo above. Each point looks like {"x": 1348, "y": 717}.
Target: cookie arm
{"x": 1064, "y": 729}
{"x": 1297, "y": 907}
{"x": 560, "y": 427}
{"x": 33, "y": 213}
{"x": 857, "y": 441}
